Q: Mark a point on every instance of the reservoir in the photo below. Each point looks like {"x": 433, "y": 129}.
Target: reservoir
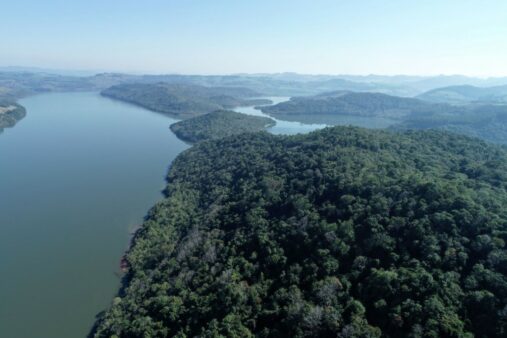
{"x": 77, "y": 175}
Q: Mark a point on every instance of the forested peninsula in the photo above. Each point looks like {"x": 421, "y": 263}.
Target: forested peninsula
{"x": 349, "y": 103}
{"x": 219, "y": 124}
{"x": 10, "y": 114}
{"x": 184, "y": 100}
{"x": 343, "y": 232}
{"x": 486, "y": 121}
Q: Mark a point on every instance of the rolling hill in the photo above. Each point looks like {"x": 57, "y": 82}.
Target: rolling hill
{"x": 219, "y": 124}
{"x": 183, "y": 100}
{"x": 466, "y": 94}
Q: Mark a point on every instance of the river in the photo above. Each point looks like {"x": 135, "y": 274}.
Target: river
{"x": 77, "y": 175}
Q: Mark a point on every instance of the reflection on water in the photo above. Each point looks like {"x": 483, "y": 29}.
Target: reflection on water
{"x": 75, "y": 174}
{"x": 294, "y": 124}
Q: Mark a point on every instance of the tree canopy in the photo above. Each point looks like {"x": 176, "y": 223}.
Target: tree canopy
{"x": 219, "y": 124}
{"x": 10, "y": 114}
{"x": 183, "y": 100}
{"x": 344, "y": 232}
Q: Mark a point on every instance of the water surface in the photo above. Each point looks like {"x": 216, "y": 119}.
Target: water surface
{"x": 281, "y": 127}
{"x": 295, "y": 124}
{"x": 77, "y": 174}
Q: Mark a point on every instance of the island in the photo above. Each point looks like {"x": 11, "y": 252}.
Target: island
{"x": 219, "y": 124}
{"x": 343, "y": 232}
{"x": 184, "y": 101}
{"x": 10, "y": 114}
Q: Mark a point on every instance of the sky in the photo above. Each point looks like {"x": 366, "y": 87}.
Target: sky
{"x": 423, "y": 37}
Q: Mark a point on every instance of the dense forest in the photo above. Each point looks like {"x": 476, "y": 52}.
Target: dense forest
{"x": 350, "y": 103}
{"x": 10, "y": 114}
{"x": 183, "y": 100}
{"x": 219, "y": 124}
{"x": 486, "y": 121}
{"x": 343, "y": 232}
{"x": 466, "y": 94}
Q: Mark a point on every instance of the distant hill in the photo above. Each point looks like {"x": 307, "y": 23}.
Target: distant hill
{"x": 219, "y": 124}
{"x": 18, "y": 84}
{"x": 466, "y": 94}
{"x": 25, "y": 81}
{"x": 350, "y": 103}
{"x": 10, "y": 114}
{"x": 183, "y": 100}
{"x": 488, "y": 122}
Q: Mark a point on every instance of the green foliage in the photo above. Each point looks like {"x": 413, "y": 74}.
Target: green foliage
{"x": 183, "y": 100}
{"x": 349, "y": 103}
{"x": 219, "y": 124}
{"x": 466, "y": 94}
{"x": 343, "y": 232}
{"x": 10, "y": 114}
{"x": 488, "y": 122}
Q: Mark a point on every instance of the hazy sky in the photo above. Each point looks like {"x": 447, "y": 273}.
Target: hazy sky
{"x": 225, "y": 36}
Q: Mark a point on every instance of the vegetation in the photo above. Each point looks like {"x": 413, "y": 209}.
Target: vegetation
{"x": 219, "y": 124}
{"x": 14, "y": 85}
{"x": 10, "y": 114}
{"x": 466, "y": 94}
{"x": 183, "y": 101}
{"x": 344, "y": 232}
{"x": 488, "y": 122}
{"x": 350, "y": 103}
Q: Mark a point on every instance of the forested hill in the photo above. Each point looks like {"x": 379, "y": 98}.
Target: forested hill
{"x": 344, "y": 232}
{"x": 183, "y": 100}
{"x": 466, "y": 94}
{"x": 488, "y": 122}
{"x": 219, "y": 124}
{"x": 350, "y": 103}
{"x": 10, "y": 114}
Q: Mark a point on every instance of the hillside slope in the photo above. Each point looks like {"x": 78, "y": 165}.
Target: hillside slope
{"x": 343, "y": 232}
{"x": 349, "y": 103}
{"x": 183, "y": 100}
{"x": 466, "y": 94}
{"x": 219, "y": 124}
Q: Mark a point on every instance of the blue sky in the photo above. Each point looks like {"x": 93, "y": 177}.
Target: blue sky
{"x": 224, "y": 36}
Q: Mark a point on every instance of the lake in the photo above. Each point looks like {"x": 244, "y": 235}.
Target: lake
{"x": 295, "y": 124}
{"x": 77, "y": 175}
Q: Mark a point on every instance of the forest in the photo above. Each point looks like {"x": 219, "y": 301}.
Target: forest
{"x": 350, "y": 103}
{"x": 184, "y": 100}
{"x": 219, "y": 124}
{"x": 485, "y": 121}
{"x": 10, "y": 114}
{"x": 465, "y": 94}
{"x": 343, "y": 232}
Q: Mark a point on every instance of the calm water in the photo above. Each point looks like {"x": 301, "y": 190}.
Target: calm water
{"x": 76, "y": 175}
{"x": 281, "y": 127}
{"x": 306, "y": 123}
